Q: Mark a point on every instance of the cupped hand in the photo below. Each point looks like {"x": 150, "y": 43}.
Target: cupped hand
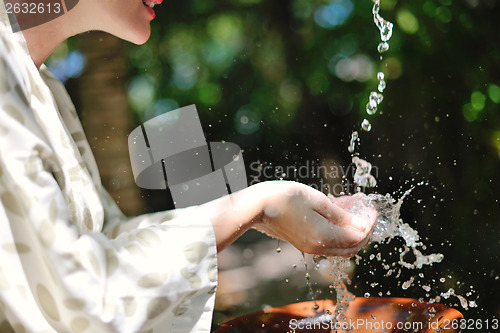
{"x": 311, "y": 222}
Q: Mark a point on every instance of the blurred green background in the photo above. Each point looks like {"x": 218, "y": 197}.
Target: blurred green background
{"x": 288, "y": 81}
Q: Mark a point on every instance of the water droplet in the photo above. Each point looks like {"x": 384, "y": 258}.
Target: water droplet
{"x": 362, "y": 176}
{"x": 383, "y": 47}
{"x": 386, "y": 32}
{"x": 381, "y": 86}
{"x": 376, "y": 7}
{"x": 373, "y": 316}
{"x": 367, "y": 295}
{"x": 374, "y": 100}
{"x": 352, "y": 143}
{"x": 371, "y": 107}
{"x": 408, "y": 283}
{"x": 366, "y": 126}
{"x": 376, "y": 97}
{"x": 380, "y": 76}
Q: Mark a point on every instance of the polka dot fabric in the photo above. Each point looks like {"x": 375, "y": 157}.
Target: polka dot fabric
{"x": 69, "y": 260}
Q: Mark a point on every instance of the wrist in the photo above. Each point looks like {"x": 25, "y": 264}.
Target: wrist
{"x": 233, "y": 215}
{"x": 264, "y": 195}
{"x": 261, "y": 194}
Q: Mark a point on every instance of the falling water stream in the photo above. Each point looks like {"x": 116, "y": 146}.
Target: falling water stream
{"x": 389, "y": 224}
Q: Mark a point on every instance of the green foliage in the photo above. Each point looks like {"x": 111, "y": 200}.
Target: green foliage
{"x": 273, "y": 57}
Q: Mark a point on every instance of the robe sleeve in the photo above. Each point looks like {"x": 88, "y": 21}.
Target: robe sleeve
{"x": 158, "y": 274}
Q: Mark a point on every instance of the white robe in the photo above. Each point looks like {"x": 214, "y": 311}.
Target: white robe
{"x": 60, "y": 270}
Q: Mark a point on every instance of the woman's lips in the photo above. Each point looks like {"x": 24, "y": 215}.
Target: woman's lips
{"x": 149, "y": 4}
{"x": 151, "y": 12}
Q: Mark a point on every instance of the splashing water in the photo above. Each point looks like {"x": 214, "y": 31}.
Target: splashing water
{"x": 362, "y": 176}
{"x": 388, "y": 226}
{"x": 307, "y": 276}
{"x": 338, "y": 271}
{"x": 451, "y": 292}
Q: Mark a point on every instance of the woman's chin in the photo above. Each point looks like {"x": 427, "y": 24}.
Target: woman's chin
{"x": 137, "y": 36}
{"x": 140, "y": 41}
{"x": 141, "y": 38}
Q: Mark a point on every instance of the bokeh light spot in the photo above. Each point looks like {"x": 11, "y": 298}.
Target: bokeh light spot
{"x": 161, "y": 106}
{"x": 358, "y": 67}
{"x": 209, "y": 93}
{"x": 478, "y": 100}
{"x": 334, "y": 14}
{"x": 70, "y": 66}
{"x": 407, "y": 21}
{"x": 247, "y": 120}
{"x": 302, "y": 9}
{"x": 141, "y": 91}
{"x": 429, "y": 8}
{"x": 470, "y": 114}
{"x": 141, "y": 57}
{"x": 494, "y": 93}
{"x": 443, "y": 14}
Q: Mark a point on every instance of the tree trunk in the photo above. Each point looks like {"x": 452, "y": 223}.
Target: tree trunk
{"x": 106, "y": 116}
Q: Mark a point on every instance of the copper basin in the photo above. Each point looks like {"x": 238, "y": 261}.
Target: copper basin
{"x": 364, "y": 315}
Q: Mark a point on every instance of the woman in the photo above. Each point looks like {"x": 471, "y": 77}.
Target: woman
{"x": 60, "y": 270}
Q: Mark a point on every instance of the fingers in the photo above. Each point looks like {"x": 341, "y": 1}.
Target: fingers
{"x": 364, "y": 214}
{"x": 362, "y": 221}
{"x": 346, "y": 238}
{"x": 330, "y": 211}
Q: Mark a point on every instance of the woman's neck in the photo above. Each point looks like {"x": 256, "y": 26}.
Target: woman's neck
{"x": 43, "y": 39}
{"x": 41, "y": 44}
